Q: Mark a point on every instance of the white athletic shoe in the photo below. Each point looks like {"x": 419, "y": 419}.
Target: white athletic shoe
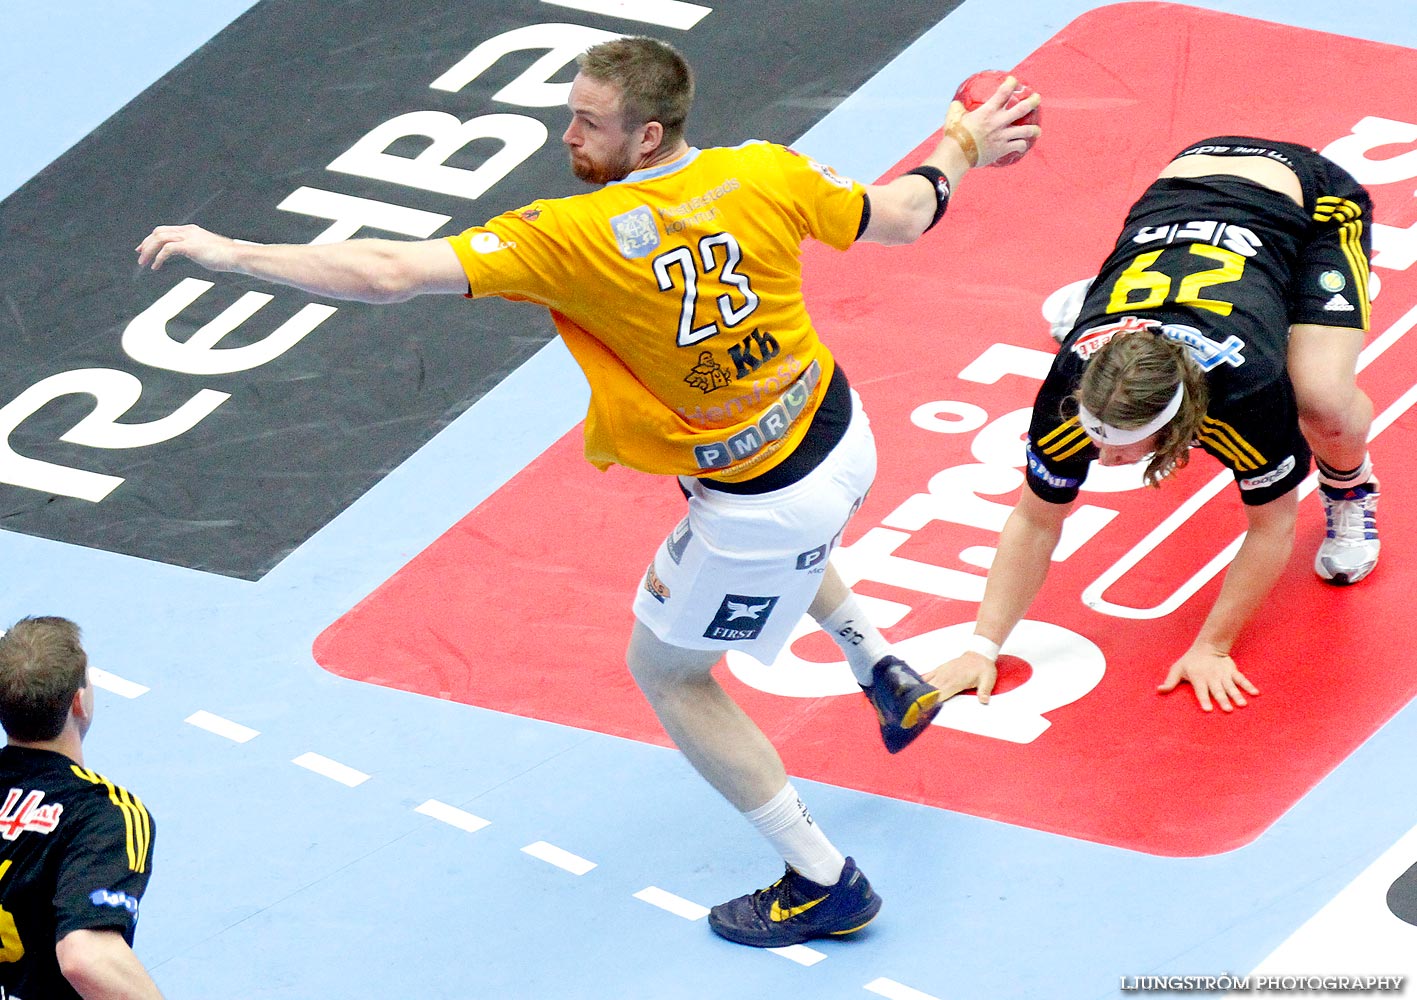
{"x": 1350, "y": 549}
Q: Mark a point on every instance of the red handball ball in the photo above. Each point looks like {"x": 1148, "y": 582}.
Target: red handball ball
{"x": 980, "y": 87}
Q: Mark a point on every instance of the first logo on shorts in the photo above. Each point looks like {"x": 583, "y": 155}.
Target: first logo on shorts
{"x": 740, "y": 618}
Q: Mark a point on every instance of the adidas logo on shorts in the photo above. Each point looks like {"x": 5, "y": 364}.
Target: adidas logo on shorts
{"x": 1338, "y": 304}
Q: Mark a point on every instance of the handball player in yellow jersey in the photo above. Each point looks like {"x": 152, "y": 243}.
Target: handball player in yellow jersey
{"x": 676, "y": 283}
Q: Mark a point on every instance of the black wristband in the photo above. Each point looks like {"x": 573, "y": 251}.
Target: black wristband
{"x": 942, "y": 190}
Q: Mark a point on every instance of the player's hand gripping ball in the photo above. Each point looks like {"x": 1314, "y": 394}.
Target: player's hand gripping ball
{"x": 980, "y": 87}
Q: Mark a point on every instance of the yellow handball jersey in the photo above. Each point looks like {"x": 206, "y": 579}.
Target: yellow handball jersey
{"x": 679, "y": 292}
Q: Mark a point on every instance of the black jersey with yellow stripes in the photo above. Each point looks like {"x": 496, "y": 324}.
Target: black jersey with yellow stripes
{"x": 75, "y": 852}
{"x": 1224, "y": 266}
{"x": 1329, "y": 286}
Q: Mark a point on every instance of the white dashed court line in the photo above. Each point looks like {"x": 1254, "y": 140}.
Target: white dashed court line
{"x": 453, "y": 816}
{"x": 553, "y": 855}
{"x": 233, "y": 731}
{"x": 435, "y": 809}
{"x": 117, "y": 685}
{"x": 670, "y": 903}
{"x": 331, "y": 769}
{"x": 892, "y": 990}
{"x": 800, "y": 954}
{"x": 463, "y": 820}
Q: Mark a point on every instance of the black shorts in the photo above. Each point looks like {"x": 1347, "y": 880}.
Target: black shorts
{"x": 1330, "y": 284}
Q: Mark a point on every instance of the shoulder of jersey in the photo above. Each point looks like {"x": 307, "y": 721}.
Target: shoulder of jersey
{"x": 103, "y": 789}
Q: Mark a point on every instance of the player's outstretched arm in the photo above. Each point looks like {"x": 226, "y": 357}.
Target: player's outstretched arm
{"x": 358, "y": 270}
{"x": 1207, "y": 666}
{"x": 1020, "y": 566}
{"x": 904, "y": 208}
{"x": 100, "y": 966}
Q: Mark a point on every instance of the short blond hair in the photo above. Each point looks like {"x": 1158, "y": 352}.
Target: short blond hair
{"x": 656, "y": 83}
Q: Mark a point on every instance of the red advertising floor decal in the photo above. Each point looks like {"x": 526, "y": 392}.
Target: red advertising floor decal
{"x": 524, "y": 606}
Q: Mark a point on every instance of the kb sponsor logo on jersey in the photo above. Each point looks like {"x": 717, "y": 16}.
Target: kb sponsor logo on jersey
{"x": 740, "y": 618}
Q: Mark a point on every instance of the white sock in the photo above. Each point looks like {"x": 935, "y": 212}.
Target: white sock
{"x": 861, "y": 641}
{"x": 787, "y": 825}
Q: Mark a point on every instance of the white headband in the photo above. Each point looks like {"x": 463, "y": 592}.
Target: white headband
{"x": 1104, "y": 433}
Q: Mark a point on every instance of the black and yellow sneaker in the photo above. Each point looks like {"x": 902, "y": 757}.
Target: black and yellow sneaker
{"x": 904, "y": 703}
{"x": 795, "y": 909}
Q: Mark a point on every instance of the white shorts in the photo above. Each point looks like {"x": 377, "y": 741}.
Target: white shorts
{"x": 741, "y": 570}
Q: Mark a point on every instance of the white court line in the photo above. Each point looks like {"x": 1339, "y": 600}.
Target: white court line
{"x": 233, "y": 731}
{"x": 670, "y": 903}
{"x": 453, "y": 816}
{"x": 331, "y": 769}
{"x": 892, "y": 990}
{"x": 554, "y": 855}
{"x": 1092, "y": 595}
{"x": 800, "y": 954}
{"x": 1356, "y": 931}
{"x": 666, "y": 13}
{"x": 118, "y": 685}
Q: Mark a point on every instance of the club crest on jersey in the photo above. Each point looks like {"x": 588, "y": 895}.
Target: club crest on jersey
{"x": 1091, "y": 341}
{"x": 740, "y": 618}
{"x": 708, "y": 374}
{"x": 636, "y": 232}
{"x": 1333, "y": 281}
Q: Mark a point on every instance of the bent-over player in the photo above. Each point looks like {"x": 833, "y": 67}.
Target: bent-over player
{"x": 1229, "y": 315}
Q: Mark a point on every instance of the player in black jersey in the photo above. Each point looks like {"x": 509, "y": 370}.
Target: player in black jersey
{"x": 75, "y": 849}
{"x": 1230, "y": 314}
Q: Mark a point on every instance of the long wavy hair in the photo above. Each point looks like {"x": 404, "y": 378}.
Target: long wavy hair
{"x": 1132, "y": 379}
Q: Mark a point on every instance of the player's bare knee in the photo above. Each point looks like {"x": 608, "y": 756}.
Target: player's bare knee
{"x": 1333, "y": 411}
{"x": 661, "y": 669}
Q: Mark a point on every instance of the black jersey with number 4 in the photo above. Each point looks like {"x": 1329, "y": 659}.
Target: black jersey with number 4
{"x": 74, "y": 855}
{"x": 1224, "y": 266}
